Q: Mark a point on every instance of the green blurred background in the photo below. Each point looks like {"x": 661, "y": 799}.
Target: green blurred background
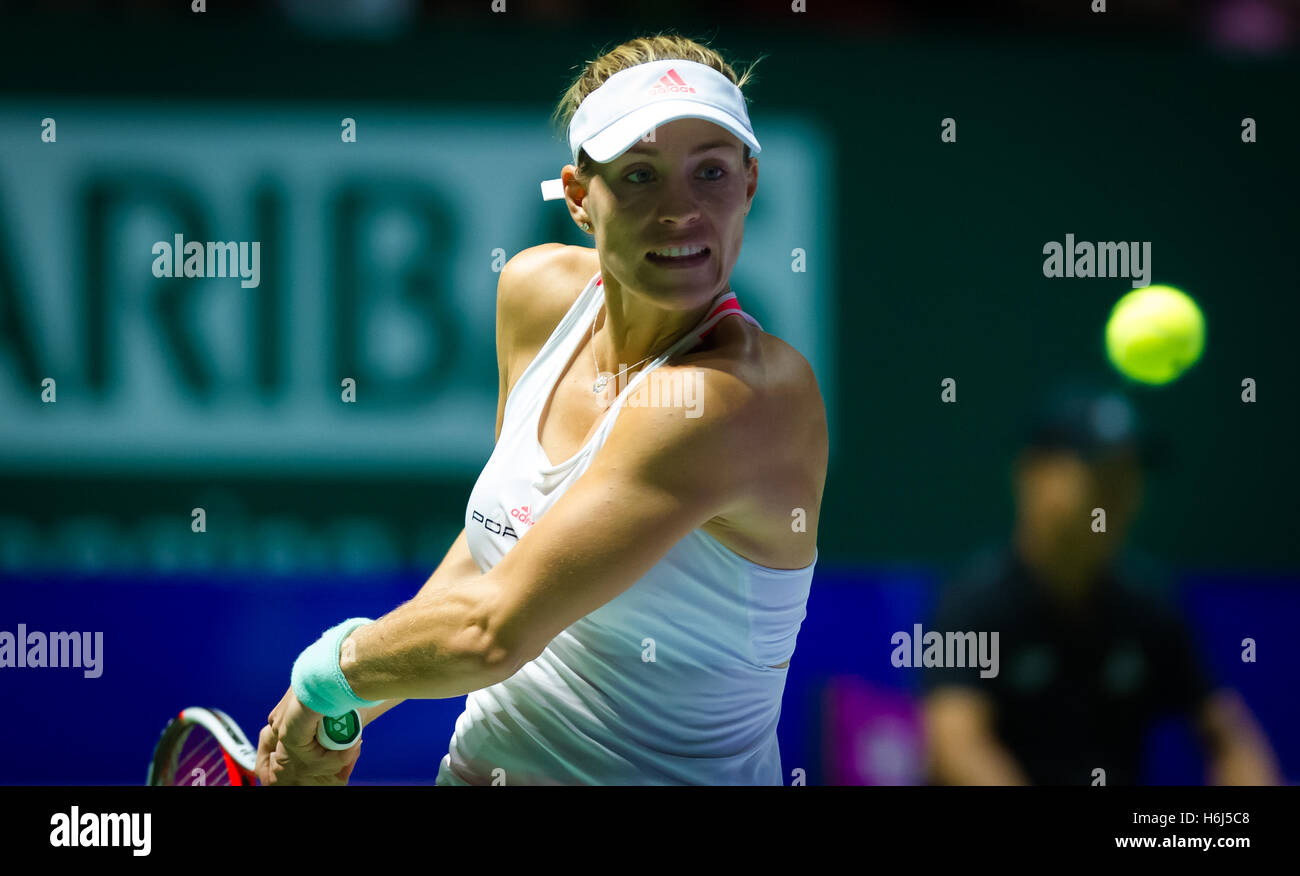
{"x": 925, "y": 263}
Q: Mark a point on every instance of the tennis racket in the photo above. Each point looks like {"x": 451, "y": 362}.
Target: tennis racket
{"x": 206, "y": 747}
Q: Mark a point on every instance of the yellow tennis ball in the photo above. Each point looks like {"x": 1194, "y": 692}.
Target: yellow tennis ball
{"x": 1154, "y": 334}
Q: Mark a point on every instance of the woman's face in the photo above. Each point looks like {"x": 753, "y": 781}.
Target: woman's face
{"x": 686, "y": 187}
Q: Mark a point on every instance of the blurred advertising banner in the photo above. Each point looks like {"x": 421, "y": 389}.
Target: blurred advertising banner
{"x": 873, "y": 734}
{"x": 189, "y": 287}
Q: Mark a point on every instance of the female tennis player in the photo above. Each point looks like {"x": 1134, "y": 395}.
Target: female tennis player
{"x": 623, "y": 602}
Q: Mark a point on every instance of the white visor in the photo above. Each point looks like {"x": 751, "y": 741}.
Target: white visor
{"x": 634, "y": 102}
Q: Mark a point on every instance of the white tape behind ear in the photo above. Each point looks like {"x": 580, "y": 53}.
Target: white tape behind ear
{"x": 552, "y": 189}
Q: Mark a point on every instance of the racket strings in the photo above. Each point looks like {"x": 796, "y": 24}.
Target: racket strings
{"x": 200, "y": 751}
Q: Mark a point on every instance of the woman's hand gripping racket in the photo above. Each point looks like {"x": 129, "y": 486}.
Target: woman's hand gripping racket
{"x": 206, "y": 747}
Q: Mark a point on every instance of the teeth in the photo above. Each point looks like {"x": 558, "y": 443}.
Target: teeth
{"x": 679, "y": 251}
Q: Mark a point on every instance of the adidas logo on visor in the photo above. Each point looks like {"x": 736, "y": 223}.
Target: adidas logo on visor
{"x": 671, "y": 83}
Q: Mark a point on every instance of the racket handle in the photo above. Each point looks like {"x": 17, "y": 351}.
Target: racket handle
{"x": 339, "y": 734}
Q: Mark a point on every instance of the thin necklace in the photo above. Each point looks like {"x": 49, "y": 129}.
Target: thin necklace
{"x": 603, "y": 379}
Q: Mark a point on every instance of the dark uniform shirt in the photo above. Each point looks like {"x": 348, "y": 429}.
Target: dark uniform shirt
{"x": 1078, "y": 686}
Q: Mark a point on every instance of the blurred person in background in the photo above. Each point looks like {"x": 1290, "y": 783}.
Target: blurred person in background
{"x": 1092, "y": 649}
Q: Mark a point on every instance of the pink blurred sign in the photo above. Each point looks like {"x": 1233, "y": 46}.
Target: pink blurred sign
{"x": 872, "y": 735}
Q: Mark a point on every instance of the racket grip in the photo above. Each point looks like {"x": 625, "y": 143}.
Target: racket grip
{"x": 339, "y": 734}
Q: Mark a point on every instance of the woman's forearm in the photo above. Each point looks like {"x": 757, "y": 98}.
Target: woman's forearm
{"x": 399, "y": 657}
{"x": 373, "y": 712}
{"x": 435, "y": 646}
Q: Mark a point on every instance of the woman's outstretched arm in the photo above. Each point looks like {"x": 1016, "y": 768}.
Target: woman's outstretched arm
{"x": 659, "y": 476}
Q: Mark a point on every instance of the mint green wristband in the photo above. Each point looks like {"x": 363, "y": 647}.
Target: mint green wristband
{"x": 317, "y": 679}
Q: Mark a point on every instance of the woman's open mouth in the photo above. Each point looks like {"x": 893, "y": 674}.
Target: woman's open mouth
{"x": 679, "y": 256}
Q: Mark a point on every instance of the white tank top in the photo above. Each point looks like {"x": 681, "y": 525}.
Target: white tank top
{"x": 594, "y": 708}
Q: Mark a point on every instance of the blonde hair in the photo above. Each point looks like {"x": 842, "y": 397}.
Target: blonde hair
{"x": 662, "y": 46}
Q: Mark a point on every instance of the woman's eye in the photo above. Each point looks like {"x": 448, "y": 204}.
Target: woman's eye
{"x": 721, "y": 172}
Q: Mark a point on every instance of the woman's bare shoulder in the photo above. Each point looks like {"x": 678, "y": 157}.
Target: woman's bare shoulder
{"x": 537, "y": 287}
{"x": 761, "y": 362}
